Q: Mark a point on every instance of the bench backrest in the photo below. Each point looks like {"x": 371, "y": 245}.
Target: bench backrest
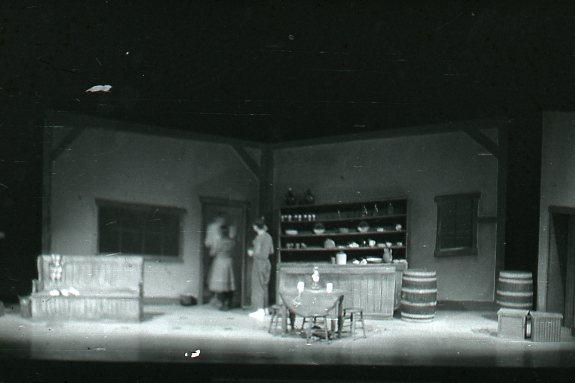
{"x": 95, "y": 272}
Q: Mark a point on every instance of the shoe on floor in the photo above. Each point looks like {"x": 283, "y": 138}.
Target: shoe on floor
{"x": 259, "y": 314}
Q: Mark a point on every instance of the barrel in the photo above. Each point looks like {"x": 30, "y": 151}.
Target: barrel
{"x": 515, "y": 290}
{"x": 418, "y": 295}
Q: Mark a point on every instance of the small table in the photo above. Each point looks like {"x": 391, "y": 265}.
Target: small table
{"x": 311, "y": 303}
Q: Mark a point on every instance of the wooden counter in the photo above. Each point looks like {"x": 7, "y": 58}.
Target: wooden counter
{"x": 370, "y": 287}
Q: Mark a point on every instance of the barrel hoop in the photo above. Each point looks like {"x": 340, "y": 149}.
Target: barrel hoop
{"x": 420, "y": 273}
{"x": 515, "y": 274}
{"x": 419, "y": 304}
{"x": 418, "y": 291}
{"x": 418, "y": 316}
{"x": 409, "y": 278}
{"x": 516, "y": 281}
{"x": 515, "y": 294}
{"x": 511, "y": 304}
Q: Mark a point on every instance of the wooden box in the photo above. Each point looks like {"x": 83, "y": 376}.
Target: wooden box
{"x": 369, "y": 287}
{"x": 511, "y": 323}
{"x": 109, "y": 287}
{"x": 545, "y": 327}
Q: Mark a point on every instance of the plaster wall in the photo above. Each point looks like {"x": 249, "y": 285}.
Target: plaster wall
{"x": 138, "y": 168}
{"x": 419, "y": 167}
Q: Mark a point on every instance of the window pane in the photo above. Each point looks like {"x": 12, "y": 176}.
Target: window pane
{"x": 132, "y": 242}
{"x": 457, "y": 215}
{"x": 172, "y": 244}
{"x": 153, "y": 243}
{"x": 138, "y": 229}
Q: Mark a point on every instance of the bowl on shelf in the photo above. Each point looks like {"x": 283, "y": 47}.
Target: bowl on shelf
{"x": 329, "y": 244}
{"x": 291, "y": 232}
{"x": 373, "y": 260}
{"x": 363, "y": 227}
{"x": 319, "y": 228}
{"x": 380, "y": 229}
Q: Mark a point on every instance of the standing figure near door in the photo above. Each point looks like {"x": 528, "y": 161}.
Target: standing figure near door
{"x": 222, "y": 281}
{"x": 213, "y": 235}
{"x": 262, "y": 248}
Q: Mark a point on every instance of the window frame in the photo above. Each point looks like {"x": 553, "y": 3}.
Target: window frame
{"x": 176, "y": 211}
{"x": 457, "y": 251}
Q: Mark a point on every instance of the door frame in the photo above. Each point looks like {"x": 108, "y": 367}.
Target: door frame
{"x": 568, "y": 212}
{"x": 224, "y": 202}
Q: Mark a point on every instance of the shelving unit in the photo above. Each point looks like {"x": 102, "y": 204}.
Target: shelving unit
{"x": 382, "y": 217}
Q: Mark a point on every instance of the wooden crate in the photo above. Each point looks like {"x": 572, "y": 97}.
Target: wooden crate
{"x": 110, "y": 287}
{"x": 545, "y": 327}
{"x": 511, "y": 323}
{"x": 369, "y": 287}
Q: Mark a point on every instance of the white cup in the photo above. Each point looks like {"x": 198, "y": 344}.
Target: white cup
{"x": 329, "y": 287}
{"x": 300, "y": 286}
{"x": 371, "y": 243}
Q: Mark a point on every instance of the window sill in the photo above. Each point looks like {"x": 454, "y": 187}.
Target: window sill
{"x": 456, "y": 252}
{"x": 151, "y": 258}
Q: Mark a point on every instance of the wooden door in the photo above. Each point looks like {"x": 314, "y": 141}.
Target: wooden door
{"x": 569, "y": 314}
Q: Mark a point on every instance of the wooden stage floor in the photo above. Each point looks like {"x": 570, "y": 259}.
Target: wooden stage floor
{"x": 171, "y": 333}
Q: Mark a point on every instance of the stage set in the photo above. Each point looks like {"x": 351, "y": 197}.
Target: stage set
{"x": 414, "y": 278}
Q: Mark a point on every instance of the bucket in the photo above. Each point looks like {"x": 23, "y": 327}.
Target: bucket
{"x": 515, "y": 290}
{"x": 25, "y": 306}
{"x": 418, "y": 295}
{"x": 188, "y": 300}
{"x": 341, "y": 258}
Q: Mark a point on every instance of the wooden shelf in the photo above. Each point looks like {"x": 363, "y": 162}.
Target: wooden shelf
{"x": 350, "y": 219}
{"x": 351, "y": 216}
{"x": 354, "y": 234}
{"x": 347, "y": 249}
{"x": 342, "y": 205}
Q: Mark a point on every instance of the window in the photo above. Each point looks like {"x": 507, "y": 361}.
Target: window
{"x": 456, "y": 224}
{"x": 138, "y": 229}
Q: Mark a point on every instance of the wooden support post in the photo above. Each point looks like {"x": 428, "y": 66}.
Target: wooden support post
{"x": 248, "y": 161}
{"x": 266, "y": 209}
{"x": 46, "y": 189}
{"x": 65, "y": 142}
{"x": 483, "y": 140}
{"x": 502, "y": 159}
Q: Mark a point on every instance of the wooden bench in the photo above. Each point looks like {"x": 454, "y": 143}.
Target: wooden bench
{"x": 108, "y": 287}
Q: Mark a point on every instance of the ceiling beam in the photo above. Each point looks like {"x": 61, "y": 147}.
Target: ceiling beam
{"x": 65, "y": 118}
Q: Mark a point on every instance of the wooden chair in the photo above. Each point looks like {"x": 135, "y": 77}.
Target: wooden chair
{"x": 354, "y": 316}
{"x": 276, "y": 313}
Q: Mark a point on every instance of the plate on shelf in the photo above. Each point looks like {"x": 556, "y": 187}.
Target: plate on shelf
{"x": 291, "y": 232}
{"x": 373, "y": 260}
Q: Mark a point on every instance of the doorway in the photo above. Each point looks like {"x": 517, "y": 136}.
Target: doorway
{"x": 238, "y": 214}
{"x": 561, "y": 266}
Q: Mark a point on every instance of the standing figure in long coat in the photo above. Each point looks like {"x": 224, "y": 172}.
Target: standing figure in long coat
{"x": 262, "y": 248}
{"x": 222, "y": 281}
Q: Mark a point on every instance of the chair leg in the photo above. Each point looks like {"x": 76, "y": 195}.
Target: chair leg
{"x": 352, "y": 325}
{"x": 271, "y": 323}
{"x": 362, "y": 324}
{"x": 325, "y": 327}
